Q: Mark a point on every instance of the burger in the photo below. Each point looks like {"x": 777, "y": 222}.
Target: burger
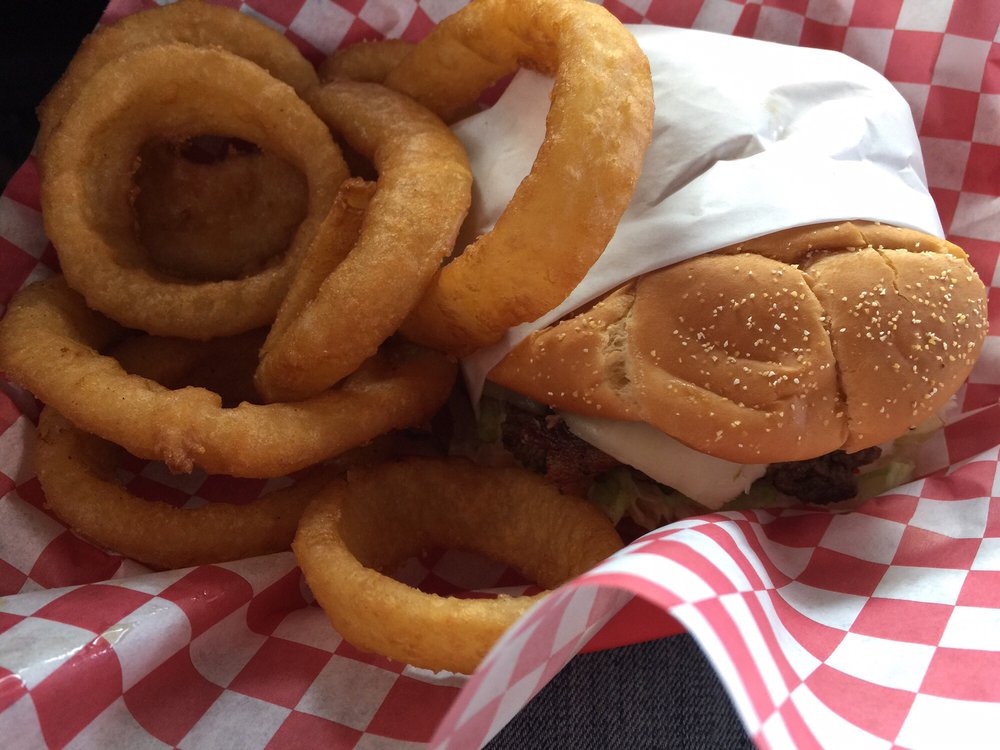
{"x": 792, "y": 367}
{"x": 776, "y": 318}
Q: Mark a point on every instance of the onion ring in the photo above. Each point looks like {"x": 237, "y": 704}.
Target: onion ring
{"x": 336, "y": 236}
{"x": 565, "y": 211}
{"x": 77, "y": 475}
{"x": 49, "y": 344}
{"x": 383, "y": 514}
{"x": 190, "y": 21}
{"x": 215, "y": 218}
{"x": 422, "y": 195}
{"x": 173, "y": 91}
{"x": 368, "y": 61}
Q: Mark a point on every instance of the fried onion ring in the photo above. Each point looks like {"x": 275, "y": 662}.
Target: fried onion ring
{"x": 422, "y": 195}
{"x": 77, "y": 474}
{"x": 50, "y": 343}
{"x": 190, "y": 21}
{"x": 368, "y": 61}
{"x": 384, "y": 514}
{"x": 215, "y": 216}
{"x": 173, "y": 91}
{"x": 565, "y": 211}
{"x": 334, "y": 240}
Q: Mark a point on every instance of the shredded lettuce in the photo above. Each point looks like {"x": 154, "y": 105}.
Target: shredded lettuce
{"x": 882, "y": 479}
{"x": 760, "y": 495}
{"x": 614, "y": 492}
{"x": 489, "y": 426}
{"x": 658, "y": 505}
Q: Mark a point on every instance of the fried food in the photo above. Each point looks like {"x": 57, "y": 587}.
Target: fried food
{"x": 189, "y": 21}
{"x": 421, "y": 197}
{"x": 214, "y": 208}
{"x": 77, "y": 472}
{"x": 50, "y": 343}
{"x": 369, "y": 61}
{"x": 87, "y": 182}
{"x": 565, "y": 211}
{"x": 195, "y": 194}
{"x": 379, "y": 516}
{"x": 336, "y": 236}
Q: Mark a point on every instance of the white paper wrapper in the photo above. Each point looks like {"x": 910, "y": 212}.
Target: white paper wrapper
{"x": 749, "y": 138}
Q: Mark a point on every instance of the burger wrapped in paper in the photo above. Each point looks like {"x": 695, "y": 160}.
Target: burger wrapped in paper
{"x": 775, "y": 311}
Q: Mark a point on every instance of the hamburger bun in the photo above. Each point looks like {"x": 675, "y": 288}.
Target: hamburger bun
{"x": 782, "y": 348}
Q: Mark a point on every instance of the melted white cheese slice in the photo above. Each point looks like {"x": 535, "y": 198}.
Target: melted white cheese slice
{"x": 707, "y": 480}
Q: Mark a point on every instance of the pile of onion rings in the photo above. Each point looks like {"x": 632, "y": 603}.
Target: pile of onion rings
{"x": 50, "y": 342}
{"x": 423, "y": 192}
{"x": 565, "y": 211}
{"x": 85, "y": 191}
{"x": 77, "y": 474}
{"x": 232, "y": 301}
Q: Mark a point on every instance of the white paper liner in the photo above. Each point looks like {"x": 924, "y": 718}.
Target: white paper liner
{"x": 749, "y": 138}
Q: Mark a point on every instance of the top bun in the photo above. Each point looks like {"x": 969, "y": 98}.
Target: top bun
{"x": 782, "y": 348}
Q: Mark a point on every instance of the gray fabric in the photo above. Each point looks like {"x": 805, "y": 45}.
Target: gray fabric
{"x": 661, "y": 694}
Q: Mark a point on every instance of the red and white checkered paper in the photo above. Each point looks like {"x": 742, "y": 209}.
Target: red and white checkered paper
{"x": 877, "y": 628}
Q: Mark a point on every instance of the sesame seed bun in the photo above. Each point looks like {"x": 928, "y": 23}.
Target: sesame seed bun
{"x": 835, "y": 336}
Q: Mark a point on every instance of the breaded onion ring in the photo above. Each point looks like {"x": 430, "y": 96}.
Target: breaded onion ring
{"x": 77, "y": 473}
{"x": 50, "y": 343}
{"x": 190, "y": 21}
{"x": 214, "y": 216}
{"x": 381, "y": 515}
{"x": 422, "y": 195}
{"x": 334, "y": 240}
{"x": 565, "y": 211}
{"x": 368, "y": 61}
{"x": 173, "y": 91}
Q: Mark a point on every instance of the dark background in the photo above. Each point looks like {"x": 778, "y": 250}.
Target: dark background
{"x": 661, "y": 694}
{"x": 37, "y": 39}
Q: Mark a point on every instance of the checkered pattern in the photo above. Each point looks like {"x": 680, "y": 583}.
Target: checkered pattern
{"x": 181, "y": 658}
{"x": 830, "y": 630}
{"x": 875, "y": 628}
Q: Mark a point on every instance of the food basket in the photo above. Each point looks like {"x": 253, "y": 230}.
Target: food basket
{"x": 872, "y": 628}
